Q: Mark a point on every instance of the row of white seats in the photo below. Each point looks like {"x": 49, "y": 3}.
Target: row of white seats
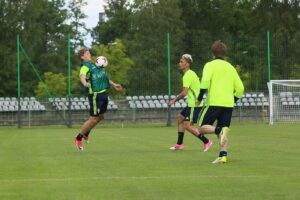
{"x": 77, "y": 103}
{"x": 254, "y": 95}
{"x": 22, "y": 108}
{"x": 251, "y": 99}
{"x": 15, "y": 98}
{"x": 166, "y": 97}
{"x": 247, "y": 104}
{"x": 66, "y": 99}
{"x": 157, "y": 105}
{"x": 83, "y": 107}
{"x": 161, "y": 101}
{"x": 286, "y": 94}
{"x": 153, "y": 97}
{"x": 290, "y": 103}
{"x": 10, "y": 104}
{"x": 22, "y": 103}
{"x": 57, "y": 99}
{"x": 183, "y": 105}
{"x": 290, "y": 99}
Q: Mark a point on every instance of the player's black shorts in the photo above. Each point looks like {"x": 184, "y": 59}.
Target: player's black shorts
{"x": 191, "y": 114}
{"x": 212, "y": 113}
{"x": 98, "y": 103}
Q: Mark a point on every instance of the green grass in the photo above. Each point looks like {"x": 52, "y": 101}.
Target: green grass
{"x": 41, "y": 163}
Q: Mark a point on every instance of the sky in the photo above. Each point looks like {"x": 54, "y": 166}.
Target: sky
{"x": 92, "y": 10}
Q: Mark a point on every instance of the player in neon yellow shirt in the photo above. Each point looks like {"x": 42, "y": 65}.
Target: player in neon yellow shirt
{"x": 189, "y": 115}
{"x": 224, "y": 87}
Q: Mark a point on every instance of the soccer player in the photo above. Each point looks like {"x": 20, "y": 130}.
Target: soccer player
{"x": 224, "y": 87}
{"x": 189, "y": 115}
{"x": 97, "y": 81}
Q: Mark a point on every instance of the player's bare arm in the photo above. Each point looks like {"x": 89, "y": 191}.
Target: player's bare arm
{"x": 179, "y": 96}
{"x": 84, "y": 82}
{"x": 117, "y": 87}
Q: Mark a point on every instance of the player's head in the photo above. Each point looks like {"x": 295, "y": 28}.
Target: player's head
{"x": 188, "y": 58}
{"x": 218, "y": 49}
{"x": 84, "y": 54}
{"x": 185, "y": 61}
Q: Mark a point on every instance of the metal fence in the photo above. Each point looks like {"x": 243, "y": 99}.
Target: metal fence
{"x": 131, "y": 109}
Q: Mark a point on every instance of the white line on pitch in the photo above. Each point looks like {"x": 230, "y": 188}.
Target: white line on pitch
{"x": 135, "y": 177}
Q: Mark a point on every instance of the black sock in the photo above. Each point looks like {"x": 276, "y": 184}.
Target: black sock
{"x": 222, "y": 153}
{"x": 180, "y": 137}
{"x": 87, "y": 133}
{"x": 79, "y": 137}
{"x": 218, "y": 130}
{"x": 203, "y": 138}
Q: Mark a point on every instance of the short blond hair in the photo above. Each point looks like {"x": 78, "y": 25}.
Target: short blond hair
{"x": 188, "y": 57}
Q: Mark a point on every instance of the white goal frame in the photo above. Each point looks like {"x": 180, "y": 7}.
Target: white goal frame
{"x": 275, "y": 104}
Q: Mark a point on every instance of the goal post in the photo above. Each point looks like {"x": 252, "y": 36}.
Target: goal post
{"x": 284, "y": 101}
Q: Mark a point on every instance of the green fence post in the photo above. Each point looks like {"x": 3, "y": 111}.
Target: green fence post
{"x": 19, "y": 82}
{"x": 69, "y": 83}
{"x": 169, "y": 123}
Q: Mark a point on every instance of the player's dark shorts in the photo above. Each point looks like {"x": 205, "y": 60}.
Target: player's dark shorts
{"x": 191, "y": 114}
{"x": 98, "y": 103}
{"x": 212, "y": 113}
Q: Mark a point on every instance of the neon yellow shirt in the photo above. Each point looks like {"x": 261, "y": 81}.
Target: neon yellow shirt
{"x": 86, "y": 71}
{"x": 191, "y": 81}
{"x": 223, "y": 83}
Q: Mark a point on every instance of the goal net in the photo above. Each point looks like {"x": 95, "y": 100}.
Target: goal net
{"x": 284, "y": 97}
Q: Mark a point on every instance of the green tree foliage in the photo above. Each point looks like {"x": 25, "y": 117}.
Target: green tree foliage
{"x": 147, "y": 45}
{"x": 55, "y": 83}
{"x": 118, "y": 12}
{"x": 142, "y": 25}
{"x": 77, "y": 24}
{"x": 43, "y": 26}
{"x": 119, "y": 64}
{"x": 194, "y": 25}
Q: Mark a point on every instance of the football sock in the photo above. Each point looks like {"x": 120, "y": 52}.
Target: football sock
{"x": 222, "y": 153}
{"x": 79, "y": 137}
{"x": 203, "y": 138}
{"x": 180, "y": 137}
{"x": 87, "y": 133}
{"x": 218, "y": 130}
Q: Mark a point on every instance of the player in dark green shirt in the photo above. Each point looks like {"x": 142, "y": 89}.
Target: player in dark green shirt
{"x": 98, "y": 82}
{"x": 189, "y": 115}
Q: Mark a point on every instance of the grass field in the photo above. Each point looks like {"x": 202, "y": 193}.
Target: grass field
{"x": 41, "y": 163}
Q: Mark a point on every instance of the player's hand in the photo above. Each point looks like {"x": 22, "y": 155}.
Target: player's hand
{"x": 171, "y": 102}
{"x": 118, "y": 87}
{"x": 198, "y": 102}
{"x": 88, "y": 85}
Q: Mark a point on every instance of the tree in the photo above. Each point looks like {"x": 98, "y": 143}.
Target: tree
{"x": 118, "y": 13}
{"x": 56, "y": 84}
{"x": 79, "y": 29}
{"x": 147, "y": 45}
{"x": 43, "y": 34}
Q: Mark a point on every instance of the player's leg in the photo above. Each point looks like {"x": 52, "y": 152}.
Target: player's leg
{"x": 189, "y": 125}
{"x": 207, "y": 119}
{"x": 224, "y": 122}
{"x": 98, "y": 106}
{"x": 86, "y": 128}
{"x": 206, "y": 122}
{"x": 180, "y": 127}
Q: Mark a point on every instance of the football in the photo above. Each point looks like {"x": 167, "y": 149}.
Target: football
{"x": 101, "y": 62}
